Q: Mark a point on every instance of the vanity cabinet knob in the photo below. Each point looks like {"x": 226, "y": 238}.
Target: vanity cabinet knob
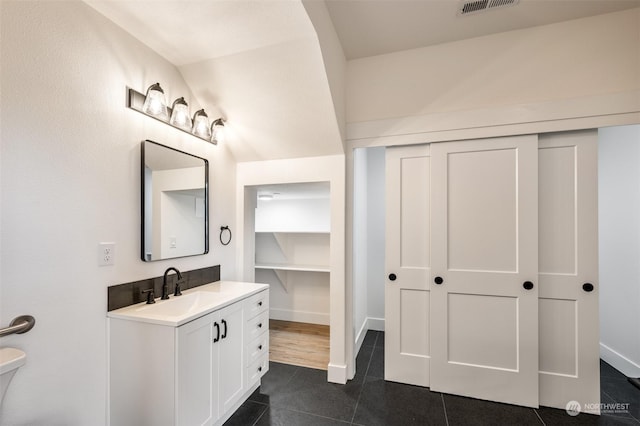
{"x": 260, "y": 347}
{"x": 528, "y": 285}
{"x": 438, "y": 280}
{"x": 259, "y": 368}
{"x": 259, "y": 303}
{"x": 260, "y": 325}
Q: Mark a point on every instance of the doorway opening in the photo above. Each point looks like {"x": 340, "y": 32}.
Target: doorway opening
{"x": 292, "y": 255}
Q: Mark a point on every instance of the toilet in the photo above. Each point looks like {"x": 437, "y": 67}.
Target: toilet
{"x": 10, "y": 360}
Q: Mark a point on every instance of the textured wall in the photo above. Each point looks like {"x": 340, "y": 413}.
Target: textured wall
{"x": 70, "y": 174}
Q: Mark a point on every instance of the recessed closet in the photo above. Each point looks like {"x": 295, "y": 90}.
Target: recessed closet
{"x": 292, "y": 235}
{"x": 491, "y": 267}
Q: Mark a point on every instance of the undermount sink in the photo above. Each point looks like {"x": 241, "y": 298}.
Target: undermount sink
{"x": 181, "y": 305}
{"x": 193, "y": 303}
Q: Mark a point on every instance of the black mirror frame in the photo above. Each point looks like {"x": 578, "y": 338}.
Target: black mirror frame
{"x": 142, "y": 198}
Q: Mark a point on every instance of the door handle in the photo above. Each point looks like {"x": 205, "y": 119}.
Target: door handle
{"x": 215, "y": 324}
{"x": 588, "y": 287}
{"x": 528, "y": 285}
{"x": 392, "y": 277}
{"x": 224, "y": 333}
{"x": 438, "y": 280}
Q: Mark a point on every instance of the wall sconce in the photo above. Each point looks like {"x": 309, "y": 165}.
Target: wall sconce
{"x": 201, "y": 125}
{"x": 180, "y": 116}
{"x": 154, "y": 105}
{"x": 217, "y": 131}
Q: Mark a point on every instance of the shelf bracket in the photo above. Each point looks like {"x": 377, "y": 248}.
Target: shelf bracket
{"x": 282, "y": 277}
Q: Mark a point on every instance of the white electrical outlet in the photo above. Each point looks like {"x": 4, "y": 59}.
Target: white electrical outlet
{"x": 106, "y": 254}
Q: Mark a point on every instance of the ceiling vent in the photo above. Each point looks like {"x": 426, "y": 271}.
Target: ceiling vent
{"x": 477, "y": 6}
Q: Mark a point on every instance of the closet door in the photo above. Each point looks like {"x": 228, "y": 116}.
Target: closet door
{"x": 568, "y": 270}
{"x": 407, "y": 297}
{"x": 484, "y": 253}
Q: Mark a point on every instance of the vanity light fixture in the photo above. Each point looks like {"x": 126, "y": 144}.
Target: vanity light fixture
{"x": 217, "y": 131}
{"x": 201, "y": 124}
{"x": 153, "y": 105}
{"x": 180, "y": 116}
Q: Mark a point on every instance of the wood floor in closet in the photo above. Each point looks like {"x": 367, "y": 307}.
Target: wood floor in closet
{"x": 297, "y": 343}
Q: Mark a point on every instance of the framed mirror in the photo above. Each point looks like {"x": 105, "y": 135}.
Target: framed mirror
{"x": 175, "y": 203}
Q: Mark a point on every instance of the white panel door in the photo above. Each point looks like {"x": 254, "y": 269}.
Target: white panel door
{"x": 568, "y": 270}
{"x": 484, "y": 254}
{"x": 407, "y": 256}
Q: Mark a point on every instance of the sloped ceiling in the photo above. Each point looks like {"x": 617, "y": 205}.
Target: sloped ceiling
{"x": 375, "y": 27}
{"x": 274, "y": 69}
{"x": 258, "y": 64}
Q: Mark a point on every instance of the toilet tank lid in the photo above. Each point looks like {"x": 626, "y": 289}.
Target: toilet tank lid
{"x": 10, "y": 359}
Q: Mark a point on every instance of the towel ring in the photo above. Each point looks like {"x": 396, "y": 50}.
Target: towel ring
{"x": 222, "y": 229}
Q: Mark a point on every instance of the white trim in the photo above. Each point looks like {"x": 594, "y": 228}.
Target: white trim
{"x": 619, "y": 361}
{"x": 360, "y": 336}
{"x": 337, "y": 373}
{"x": 376, "y": 324}
{"x": 551, "y": 116}
{"x": 299, "y": 316}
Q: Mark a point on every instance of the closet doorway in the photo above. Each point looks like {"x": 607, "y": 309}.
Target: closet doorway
{"x": 292, "y": 230}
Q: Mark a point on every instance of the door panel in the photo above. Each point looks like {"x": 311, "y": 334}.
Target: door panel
{"x": 569, "y": 352}
{"x": 407, "y": 298}
{"x": 484, "y": 322}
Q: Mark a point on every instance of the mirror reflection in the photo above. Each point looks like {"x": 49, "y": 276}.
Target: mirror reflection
{"x": 175, "y": 207}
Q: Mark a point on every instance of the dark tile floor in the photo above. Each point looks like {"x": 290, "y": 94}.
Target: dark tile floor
{"x": 298, "y": 396}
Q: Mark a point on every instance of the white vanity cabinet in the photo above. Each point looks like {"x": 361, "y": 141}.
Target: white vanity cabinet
{"x": 195, "y": 373}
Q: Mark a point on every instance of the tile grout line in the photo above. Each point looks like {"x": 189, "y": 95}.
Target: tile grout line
{"x": 444, "y": 406}
{"x": 540, "y": 418}
{"x": 364, "y": 379}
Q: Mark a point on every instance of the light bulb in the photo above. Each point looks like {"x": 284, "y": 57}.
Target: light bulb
{"x": 155, "y": 103}
{"x": 180, "y": 114}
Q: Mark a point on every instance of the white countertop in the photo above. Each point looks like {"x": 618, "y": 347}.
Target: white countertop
{"x": 193, "y": 303}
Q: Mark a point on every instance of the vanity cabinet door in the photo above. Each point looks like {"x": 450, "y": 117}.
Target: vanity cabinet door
{"x": 230, "y": 348}
{"x": 196, "y": 402}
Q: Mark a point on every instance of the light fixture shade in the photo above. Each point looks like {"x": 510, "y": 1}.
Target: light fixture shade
{"x": 201, "y": 125}
{"x": 155, "y": 103}
{"x": 217, "y": 131}
{"x": 180, "y": 116}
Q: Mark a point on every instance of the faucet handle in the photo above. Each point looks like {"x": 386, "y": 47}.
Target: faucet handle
{"x": 150, "y": 296}
{"x": 176, "y": 291}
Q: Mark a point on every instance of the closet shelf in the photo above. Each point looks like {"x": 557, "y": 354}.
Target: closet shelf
{"x": 290, "y": 267}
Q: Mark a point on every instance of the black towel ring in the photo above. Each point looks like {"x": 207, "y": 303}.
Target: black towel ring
{"x": 222, "y": 229}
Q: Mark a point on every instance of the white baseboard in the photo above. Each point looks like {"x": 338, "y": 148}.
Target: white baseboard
{"x": 299, "y": 316}
{"x": 337, "y": 374}
{"x": 375, "y": 324}
{"x": 619, "y": 362}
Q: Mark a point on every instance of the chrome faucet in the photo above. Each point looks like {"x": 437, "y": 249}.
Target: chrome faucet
{"x": 165, "y": 288}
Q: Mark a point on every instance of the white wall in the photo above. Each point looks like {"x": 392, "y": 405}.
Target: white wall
{"x": 580, "y": 68}
{"x": 376, "y": 237}
{"x": 368, "y": 241}
{"x": 294, "y": 215}
{"x": 619, "y": 241}
{"x": 70, "y": 174}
